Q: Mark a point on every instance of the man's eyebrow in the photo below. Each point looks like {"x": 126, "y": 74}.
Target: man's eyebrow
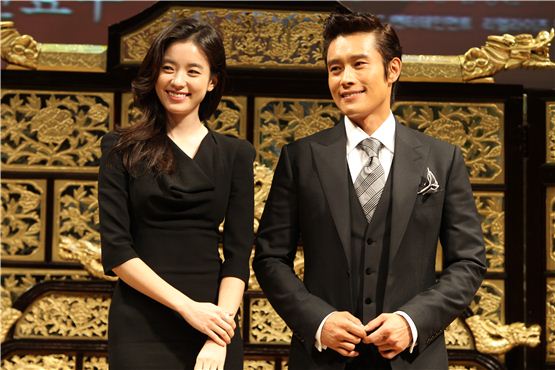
{"x": 352, "y": 57}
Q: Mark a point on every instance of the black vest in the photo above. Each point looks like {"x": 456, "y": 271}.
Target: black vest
{"x": 370, "y": 253}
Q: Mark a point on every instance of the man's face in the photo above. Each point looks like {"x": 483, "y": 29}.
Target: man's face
{"x": 357, "y": 79}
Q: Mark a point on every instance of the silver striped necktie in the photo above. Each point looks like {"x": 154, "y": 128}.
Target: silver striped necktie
{"x": 371, "y": 179}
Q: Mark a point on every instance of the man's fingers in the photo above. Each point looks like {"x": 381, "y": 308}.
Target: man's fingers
{"x": 349, "y": 347}
{"x": 378, "y": 338}
{"x": 345, "y": 353}
{"x": 348, "y": 337}
{"x": 356, "y": 330}
{"x": 388, "y": 354}
{"x": 373, "y": 324}
{"x": 352, "y": 318}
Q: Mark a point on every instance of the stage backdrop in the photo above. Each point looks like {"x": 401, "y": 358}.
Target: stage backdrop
{"x": 59, "y": 100}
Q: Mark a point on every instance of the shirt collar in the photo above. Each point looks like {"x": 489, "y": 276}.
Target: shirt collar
{"x": 385, "y": 134}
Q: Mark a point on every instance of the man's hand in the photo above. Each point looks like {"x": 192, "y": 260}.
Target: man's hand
{"x": 390, "y": 333}
{"x": 341, "y": 332}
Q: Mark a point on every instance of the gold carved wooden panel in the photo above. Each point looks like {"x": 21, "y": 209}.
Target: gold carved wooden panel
{"x": 23, "y": 220}
{"x": 550, "y": 132}
{"x": 252, "y": 38}
{"x": 489, "y": 301}
{"x": 550, "y": 320}
{"x": 76, "y": 222}
{"x": 258, "y": 365}
{"x": 54, "y": 130}
{"x": 36, "y": 362}
{"x": 458, "y": 336}
{"x": 279, "y": 121}
{"x": 65, "y": 316}
{"x": 491, "y": 208}
{"x": 463, "y": 367}
{"x": 550, "y": 227}
{"x": 95, "y": 363}
{"x": 476, "y": 128}
{"x": 17, "y": 281}
{"x": 266, "y": 327}
{"x": 230, "y": 118}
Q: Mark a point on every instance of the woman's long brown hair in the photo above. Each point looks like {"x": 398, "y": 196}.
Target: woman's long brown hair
{"x": 145, "y": 146}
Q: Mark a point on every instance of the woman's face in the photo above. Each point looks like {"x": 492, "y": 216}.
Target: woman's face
{"x": 183, "y": 80}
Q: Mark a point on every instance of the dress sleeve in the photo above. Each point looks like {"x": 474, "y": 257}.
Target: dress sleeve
{"x": 113, "y": 201}
{"x": 238, "y": 227}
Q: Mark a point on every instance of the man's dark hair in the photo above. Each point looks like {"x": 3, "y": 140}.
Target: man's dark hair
{"x": 387, "y": 42}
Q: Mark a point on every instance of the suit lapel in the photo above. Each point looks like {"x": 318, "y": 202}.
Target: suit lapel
{"x": 331, "y": 164}
{"x": 408, "y": 166}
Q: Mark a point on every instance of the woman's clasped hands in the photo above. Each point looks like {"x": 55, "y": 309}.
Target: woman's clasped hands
{"x": 209, "y": 319}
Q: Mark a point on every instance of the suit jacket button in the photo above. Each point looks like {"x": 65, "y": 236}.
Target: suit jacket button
{"x": 369, "y": 241}
{"x": 367, "y": 301}
{"x": 368, "y": 271}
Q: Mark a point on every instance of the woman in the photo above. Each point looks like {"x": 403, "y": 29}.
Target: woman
{"x": 165, "y": 185}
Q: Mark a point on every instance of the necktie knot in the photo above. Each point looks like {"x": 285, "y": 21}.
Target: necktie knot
{"x": 370, "y": 146}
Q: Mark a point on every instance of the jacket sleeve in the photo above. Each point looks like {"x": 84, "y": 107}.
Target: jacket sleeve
{"x": 276, "y": 246}
{"x": 113, "y": 201}
{"x": 238, "y": 227}
{"x": 464, "y": 259}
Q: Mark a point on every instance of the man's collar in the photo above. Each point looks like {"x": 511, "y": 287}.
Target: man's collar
{"x": 385, "y": 134}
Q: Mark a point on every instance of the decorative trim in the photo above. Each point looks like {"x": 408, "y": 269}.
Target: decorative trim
{"x": 278, "y": 121}
{"x": 550, "y": 320}
{"x": 476, "y": 128}
{"x": 252, "y": 37}
{"x": 550, "y": 132}
{"x": 550, "y": 227}
{"x": 31, "y": 362}
{"x": 265, "y": 325}
{"x": 508, "y": 52}
{"x": 23, "y": 220}
{"x": 53, "y": 131}
{"x": 65, "y": 316}
{"x": 491, "y": 208}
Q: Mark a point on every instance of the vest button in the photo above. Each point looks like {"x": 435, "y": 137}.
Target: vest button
{"x": 368, "y": 271}
{"x": 367, "y": 301}
{"x": 369, "y": 241}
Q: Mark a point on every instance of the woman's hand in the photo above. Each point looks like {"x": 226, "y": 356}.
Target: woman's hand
{"x": 209, "y": 319}
{"x": 211, "y": 356}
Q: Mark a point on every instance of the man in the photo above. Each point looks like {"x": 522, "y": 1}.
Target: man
{"x": 369, "y": 198}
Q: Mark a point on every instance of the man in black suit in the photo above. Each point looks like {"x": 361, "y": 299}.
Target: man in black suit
{"x": 369, "y": 198}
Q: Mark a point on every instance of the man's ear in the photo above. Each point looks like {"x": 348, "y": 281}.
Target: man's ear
{"x": 394, "y": 70}
{"x": 213, "y": 82}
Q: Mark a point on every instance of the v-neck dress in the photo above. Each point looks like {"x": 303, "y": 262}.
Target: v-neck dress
{"x": 171, "y": 222}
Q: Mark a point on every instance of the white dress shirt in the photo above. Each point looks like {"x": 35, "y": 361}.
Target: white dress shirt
{"x": 356, "y": 159}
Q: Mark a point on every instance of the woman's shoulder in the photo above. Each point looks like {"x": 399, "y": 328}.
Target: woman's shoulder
{"x": 110, "y": 139}
{"x": 234, "y": 144}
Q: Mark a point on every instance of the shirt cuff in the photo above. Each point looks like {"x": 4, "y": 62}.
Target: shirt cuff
{"x": 413, "y": 330}
{"x": 318, "y": 344}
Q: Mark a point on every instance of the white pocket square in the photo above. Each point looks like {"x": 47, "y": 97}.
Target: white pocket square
{"x": 428, "y": 185}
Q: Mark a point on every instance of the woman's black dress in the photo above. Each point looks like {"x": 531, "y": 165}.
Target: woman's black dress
{"x": 171, "y": 223}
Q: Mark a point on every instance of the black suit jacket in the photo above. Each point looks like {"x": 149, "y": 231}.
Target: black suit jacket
{"x": 309, "y": 200}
